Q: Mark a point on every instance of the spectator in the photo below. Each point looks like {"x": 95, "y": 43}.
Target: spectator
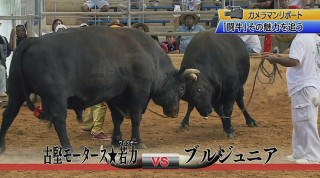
{"x": 188, "y": 5}
{"x": 55, "y": 23}
{"x": 252, "y": 43}
{"x": 103, "y": 5}
{"x": 141, "y": 26}
{"x": 4, "y": 53}
{"x": 303, "y": 76}
{"x": 154, "y": 3}
{"x": 19, "y": 34}
{"x": 60, "y": 28}
{"x": 312, "y": 2}
{"x": 294, "y": 4}
{"x": 94, "y": 122}
{"x": 162, "y": 46}
{"x": 189, "y": 24}
{"x": 115, "y": 23}
{"x": 262, "y": 4}
{"x": 172, "y": 45}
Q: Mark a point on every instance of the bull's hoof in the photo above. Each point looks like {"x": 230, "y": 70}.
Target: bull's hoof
{"x": 116, "y": 141}
{"x": 183, "y": 126}
{"x": 2, "y": 149}
{"x": 252, "y": 124}
{"x": 231, "y": 135}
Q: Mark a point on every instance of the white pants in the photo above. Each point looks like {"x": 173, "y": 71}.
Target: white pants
{"x": 305, "y": 136}
{"x": 91, "y": 4}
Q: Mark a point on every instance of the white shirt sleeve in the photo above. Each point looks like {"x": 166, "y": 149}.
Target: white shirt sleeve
{"x": 297, "y": 49}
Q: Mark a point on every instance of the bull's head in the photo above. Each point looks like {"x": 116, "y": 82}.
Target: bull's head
{"x": 198, "y": 91}
{"x": 172, "y": 91}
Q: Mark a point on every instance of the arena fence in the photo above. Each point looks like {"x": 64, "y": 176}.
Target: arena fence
{"x": 40, "y": 19}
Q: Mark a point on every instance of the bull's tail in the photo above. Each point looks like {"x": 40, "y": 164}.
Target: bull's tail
{"x": 17, "y": 58}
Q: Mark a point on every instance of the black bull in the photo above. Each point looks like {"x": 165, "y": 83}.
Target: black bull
{"x": 80, "y": 67}
{"x": 222, "y": 62}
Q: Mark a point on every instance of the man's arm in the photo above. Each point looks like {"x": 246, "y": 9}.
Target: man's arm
{"x": 283, "y": 60}
{"x": 12, "y": 40}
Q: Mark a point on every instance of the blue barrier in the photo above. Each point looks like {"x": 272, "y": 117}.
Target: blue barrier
{"x": 155, "y": 8}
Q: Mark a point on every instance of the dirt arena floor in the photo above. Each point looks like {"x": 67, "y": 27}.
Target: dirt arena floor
{"x": 270, "y": 107}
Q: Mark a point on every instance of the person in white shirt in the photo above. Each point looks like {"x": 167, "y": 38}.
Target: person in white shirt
{"x": 303, "y": 78}
{"x": 252, "y": 42}
{"x": 103, "y": 5}
{"x": 60, "y": 28}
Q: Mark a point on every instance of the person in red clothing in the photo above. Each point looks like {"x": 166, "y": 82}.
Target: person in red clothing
{"x": 172, "y": 45}
{"x": 163, "y": 47}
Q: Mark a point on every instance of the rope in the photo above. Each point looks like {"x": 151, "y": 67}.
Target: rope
{"x": 156, "y": 113}
{"x": 270, "y": 75}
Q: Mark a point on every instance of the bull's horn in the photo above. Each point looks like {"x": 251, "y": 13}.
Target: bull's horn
{"x": 191, "y": 71}
{"x": 193, "y": 77}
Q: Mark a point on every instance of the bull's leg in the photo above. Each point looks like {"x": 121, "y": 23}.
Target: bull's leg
{"x": 249, "y": 120}
{"x": 226, "y": 121}
{"x": 137, "y": 104}
{"x": 9, "y": 114}
{"x": 135, "y": 124}
{"x": 219, "y": 110}
{"x": 117, "y": 120}
{"x": 79, "y": 115}
{"x": 185, "y": 122}
{"x": 58, "y": 115}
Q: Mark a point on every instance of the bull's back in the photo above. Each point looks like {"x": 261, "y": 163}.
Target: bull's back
{"x": 87, "y": 53}
{"x": 218, "y": 53}
{"x": 90, "y": 59}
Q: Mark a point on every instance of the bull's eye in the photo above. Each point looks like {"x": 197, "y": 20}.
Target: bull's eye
{"x": 199, "y": 90}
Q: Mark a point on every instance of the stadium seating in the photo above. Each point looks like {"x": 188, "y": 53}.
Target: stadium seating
{"x": 163, "y": 22}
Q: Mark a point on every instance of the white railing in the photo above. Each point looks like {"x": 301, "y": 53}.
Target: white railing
{"x": 42, "y": 16}
{"x": 30, "y": 21}
{"x": 128, "y": 13}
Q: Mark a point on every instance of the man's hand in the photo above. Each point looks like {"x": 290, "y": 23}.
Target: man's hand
{"x": 272, "y": 58}
{"x": 13, "y": 33}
